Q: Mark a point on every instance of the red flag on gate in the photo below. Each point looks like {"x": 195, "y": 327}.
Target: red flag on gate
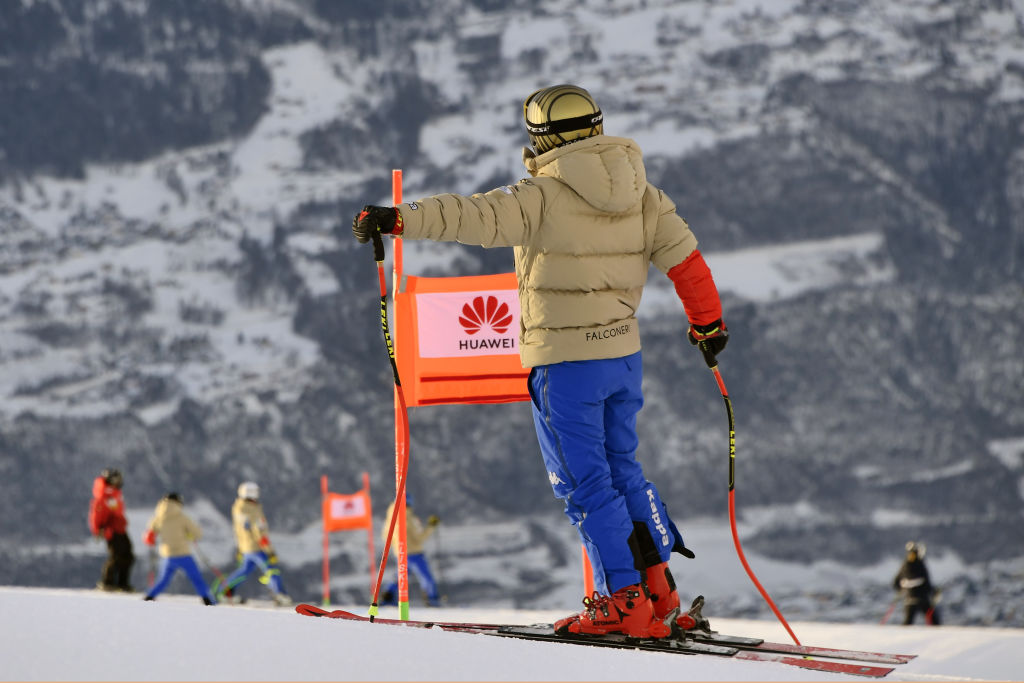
{"x": 347, "y": 511}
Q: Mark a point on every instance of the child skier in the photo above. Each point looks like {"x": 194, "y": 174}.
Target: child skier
{"x": 585, "y": 226}
{"x": 177, "y": 532}
{"x": 254, "y": 544}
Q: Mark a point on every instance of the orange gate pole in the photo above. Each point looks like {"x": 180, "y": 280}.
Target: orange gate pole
{"x": 403, "y": 559}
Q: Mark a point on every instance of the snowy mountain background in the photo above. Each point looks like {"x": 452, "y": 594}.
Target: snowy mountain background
{"x": 180, "y": 296}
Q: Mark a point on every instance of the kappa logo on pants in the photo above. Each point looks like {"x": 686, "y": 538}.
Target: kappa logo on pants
{"x": 554, "y": 479}
{"x": 656, "y": 516}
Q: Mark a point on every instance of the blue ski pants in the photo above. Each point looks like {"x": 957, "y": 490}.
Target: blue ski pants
{"x": 419, "y": 567}
{"x": 585, "y": 416}
{"x": 250, "y": 563}
{"x": 169, "y": 566}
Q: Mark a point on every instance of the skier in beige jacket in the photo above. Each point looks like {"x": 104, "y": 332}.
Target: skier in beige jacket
{"x": 177, "y": 532}
{"x": 253, "y": 540}
{"x": 585, "y": 226}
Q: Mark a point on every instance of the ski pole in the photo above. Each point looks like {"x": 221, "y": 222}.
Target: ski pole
{"x": 929, "y": 616}
{"x": 712, "y": 363}
{"x": 206, "y": 561}
{"x": 378, "y": 256}
{"x": 220, "y": 579}
{"x": 440, "y": 561}
{"x": 888, "y": 612}
{"x": 151, "y": 574}
{"x": 267, "y": 578}
{"x": 268, "y": 570}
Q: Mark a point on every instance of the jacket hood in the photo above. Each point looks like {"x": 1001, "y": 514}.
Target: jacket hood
{"x": 168, "y": 508}
{"x": 607, "y": 172}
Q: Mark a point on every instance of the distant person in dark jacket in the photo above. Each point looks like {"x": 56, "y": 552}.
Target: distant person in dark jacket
{"x": 918, "y": 592}
{"x": 107, "y": 521}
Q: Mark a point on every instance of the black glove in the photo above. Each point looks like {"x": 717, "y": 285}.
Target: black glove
{"x": 433, "y": 520}
{"x": 711, "y": 339}
{"x": 374, "y": 220}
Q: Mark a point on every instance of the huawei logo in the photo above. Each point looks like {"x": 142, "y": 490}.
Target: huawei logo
{"x": 483, "y": 314}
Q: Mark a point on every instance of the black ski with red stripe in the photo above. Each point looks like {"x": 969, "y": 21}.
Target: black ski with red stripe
{"x": 692, "y": 643}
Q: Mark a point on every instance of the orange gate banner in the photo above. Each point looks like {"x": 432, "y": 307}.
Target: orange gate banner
{"x": 347, "y": 511}
{"x": 343, "y": 512}
{"x": 457, "y": 340}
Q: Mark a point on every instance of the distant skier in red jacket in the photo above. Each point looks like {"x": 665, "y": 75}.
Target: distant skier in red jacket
{"x": 107, "y": 520}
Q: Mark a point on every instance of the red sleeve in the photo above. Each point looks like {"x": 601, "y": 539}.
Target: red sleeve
{"x": 97, "y": 515}
{"x": 97, "y": 510}
{"x": 696, "y": 289}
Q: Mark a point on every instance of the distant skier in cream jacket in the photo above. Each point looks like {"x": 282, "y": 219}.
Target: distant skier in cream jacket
{"x": 253, "y": 539}
{"x": 177, "y": 532}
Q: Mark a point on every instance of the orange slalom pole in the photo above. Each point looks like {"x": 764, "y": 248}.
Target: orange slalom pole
{"x": 369, "y": 526}
{"x": 401, "y": 435}
{"x": 709, "y": 358}
{"x": 327, "y": 561}
{"x": 402, "y": 455}
{"x": 588, "y": 573}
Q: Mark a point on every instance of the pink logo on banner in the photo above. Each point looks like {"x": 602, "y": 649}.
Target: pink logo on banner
{"x": 452, "y": 324}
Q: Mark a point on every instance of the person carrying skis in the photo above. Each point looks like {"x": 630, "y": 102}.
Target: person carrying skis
{"x": 107, "y": 521}
{"x": 177, "y": 532}
{"x": 251, "y": 536}
{"x": 416, "y": 535}
{"x": 913, "y": 582}
{"x": 585, "y": 226}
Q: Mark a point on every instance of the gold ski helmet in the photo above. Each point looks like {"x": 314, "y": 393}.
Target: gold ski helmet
{"x": 560, "y": 114}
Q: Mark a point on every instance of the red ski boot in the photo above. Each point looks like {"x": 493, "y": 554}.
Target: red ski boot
{"x": 662, "y": 588}
{"x": 628, "y": 611}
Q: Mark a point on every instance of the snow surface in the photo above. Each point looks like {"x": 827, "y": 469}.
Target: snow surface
{"x": 117, "y": 637}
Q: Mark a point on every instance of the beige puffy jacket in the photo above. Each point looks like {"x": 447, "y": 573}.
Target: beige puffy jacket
{"x": 176, "y": 530}
{"x": 250, "y": 526}
{"x": 416, "y": 533}
{"x": 584, "y": 227}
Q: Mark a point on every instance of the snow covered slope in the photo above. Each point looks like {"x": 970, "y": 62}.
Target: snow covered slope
{"x": 119, "y": 637}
